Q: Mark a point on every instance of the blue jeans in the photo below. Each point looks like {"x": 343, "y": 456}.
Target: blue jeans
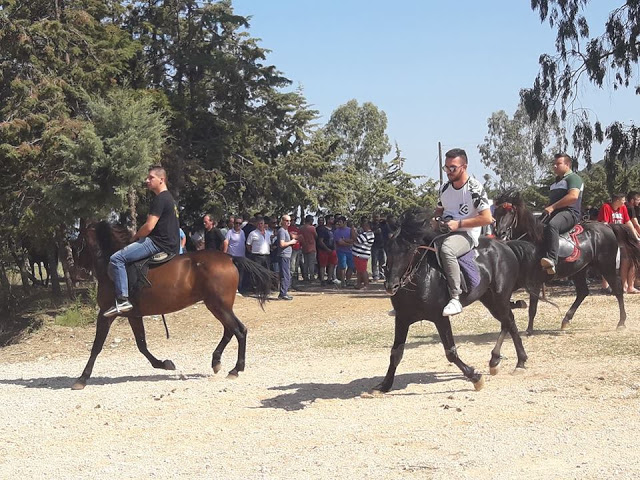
{"x": 133, "y": 252}
{"x": 285, "y": 275}
{"x": 378, "y": 261}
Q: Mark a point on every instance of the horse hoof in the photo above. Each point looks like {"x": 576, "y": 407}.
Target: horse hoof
{"x": 564, "y": 326}
{"x": 621, "y": 326}
{"x": 529, "y": 332}
{"x": 373, "y": 393}
{"x": 479, "y": 384}
{"x": 232, "y": 375}
{"x": 217, "y": 367}
{"x": 168, "y": 365}
{"x": 494, "y": 370}
{"x": 518, "y": 371}
{"x": 79, "y": 385}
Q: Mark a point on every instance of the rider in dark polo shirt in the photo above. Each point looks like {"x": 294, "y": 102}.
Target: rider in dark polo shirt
{"x": 563, "y": 211}
{"x": 160, "y": 233}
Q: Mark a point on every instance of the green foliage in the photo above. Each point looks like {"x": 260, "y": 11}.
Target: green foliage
{"x": 607, "y": 60}
{"x": 518, "y": 149}
{"x": 76, "y": 315}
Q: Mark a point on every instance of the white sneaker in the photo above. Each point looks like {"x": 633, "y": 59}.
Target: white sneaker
{"x": 454, "y": 307}
{"x": 122, "y": 306}
{"x": 336, "y": 281}
{"x": 548, "y": 264}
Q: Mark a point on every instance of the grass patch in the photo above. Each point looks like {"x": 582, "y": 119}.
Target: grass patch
{"x": 77, "y": 315}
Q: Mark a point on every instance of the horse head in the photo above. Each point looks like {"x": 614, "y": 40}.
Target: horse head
{"x": 507, "y": 214}
{"x": 403, "y": 247}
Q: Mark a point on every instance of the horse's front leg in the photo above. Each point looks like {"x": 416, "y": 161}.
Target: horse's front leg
{"x": 400, "y": 338}
{"x": 137, "y": 325}
{"x": 534, "y": 296}
{"x": 582, "y": 290}
{"x": 103, "y": 324}
{"x": 496, "y": 357}
{"x": 446, "y": 336}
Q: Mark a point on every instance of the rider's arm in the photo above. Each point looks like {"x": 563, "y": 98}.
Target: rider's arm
{"x": 632, "y": 230}
{"x": 569, "y": 199}
{"x": 483, "y": 218}
{"x": 147, "y": 228}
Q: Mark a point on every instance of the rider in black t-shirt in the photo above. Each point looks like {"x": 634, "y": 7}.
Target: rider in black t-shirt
{"x": 160, "y": 233}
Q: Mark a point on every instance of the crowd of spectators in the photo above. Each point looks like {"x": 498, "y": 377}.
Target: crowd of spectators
{"x": 327, "y": 250}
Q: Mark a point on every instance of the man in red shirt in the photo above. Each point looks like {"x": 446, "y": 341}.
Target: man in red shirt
{"x": 309, "y": 237}
{"x": 615, "y": 212}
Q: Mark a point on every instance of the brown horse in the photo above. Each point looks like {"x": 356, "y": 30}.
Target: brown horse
{"x": 206, "y": 275}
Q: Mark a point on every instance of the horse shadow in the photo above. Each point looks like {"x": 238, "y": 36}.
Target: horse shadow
{"x": 304, "y": 394}
{"x": 64, "y": 382}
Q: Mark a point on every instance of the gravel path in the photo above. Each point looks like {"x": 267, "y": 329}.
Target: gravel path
{"x": 297, "y": 411}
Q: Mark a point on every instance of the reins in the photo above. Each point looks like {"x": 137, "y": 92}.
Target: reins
{"x": 412, "y": 266}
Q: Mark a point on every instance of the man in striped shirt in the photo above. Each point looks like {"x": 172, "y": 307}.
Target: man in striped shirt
{"x": 361, "y": 252}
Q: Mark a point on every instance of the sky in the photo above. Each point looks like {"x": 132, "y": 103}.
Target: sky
{"x": 437, "y": 69}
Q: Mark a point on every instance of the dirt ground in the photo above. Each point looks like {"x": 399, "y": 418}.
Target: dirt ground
{"x": 297, "y": 412}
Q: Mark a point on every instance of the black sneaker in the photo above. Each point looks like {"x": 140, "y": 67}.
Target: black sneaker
{"x": 121, "y": 306}
{"x": 285, "y": 297}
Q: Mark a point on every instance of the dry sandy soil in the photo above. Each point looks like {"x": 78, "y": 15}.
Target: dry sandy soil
{"x": 297, "y": 411}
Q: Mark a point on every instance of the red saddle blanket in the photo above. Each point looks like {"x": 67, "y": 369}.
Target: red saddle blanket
{"x": 570, "y": 239}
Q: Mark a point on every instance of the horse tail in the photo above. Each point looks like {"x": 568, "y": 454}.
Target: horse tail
{"x": 262, "y": 279}
{"x": 627, "y": 240}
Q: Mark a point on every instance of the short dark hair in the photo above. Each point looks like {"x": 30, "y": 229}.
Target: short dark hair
{"x": 457, "y": 152}
{"x": 617, "y": 196}
{"x": 565, "y": 158}
{"x": 631, "y": 195}
{"x": 159, "y": 171}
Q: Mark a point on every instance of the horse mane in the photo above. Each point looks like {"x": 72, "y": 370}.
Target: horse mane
{"x": 415, "y": 226}
{"x": 112, "y": 238}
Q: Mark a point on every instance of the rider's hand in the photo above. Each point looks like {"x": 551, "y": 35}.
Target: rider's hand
{"x": 549, "y": 210}
{"x": 453, "y": 225}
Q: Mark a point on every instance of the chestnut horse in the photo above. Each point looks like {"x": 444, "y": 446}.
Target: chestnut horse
{"x": 598, "y": 245}
{"x": 207, "y": 275}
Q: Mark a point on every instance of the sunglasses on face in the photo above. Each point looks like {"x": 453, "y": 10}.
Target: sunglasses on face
{"x": 451, "y": 168}
{"x": 237, "y": 223}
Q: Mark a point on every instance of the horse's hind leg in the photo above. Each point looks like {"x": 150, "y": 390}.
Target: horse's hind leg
{"x": 582, "y": 290}
{"x": 616, "y": 287}
{"x": 446, "y": 336}
{"x": 103, "y": 324}
{"x": 502, "y": 312}
{"x": 534, "y": 296}
{"x": 137, "y": 326}
{"x": 232, "y": 326}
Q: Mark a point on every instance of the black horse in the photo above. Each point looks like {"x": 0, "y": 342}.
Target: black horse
{"x": 598, "y": 246}
{"x": 419, "y": 291}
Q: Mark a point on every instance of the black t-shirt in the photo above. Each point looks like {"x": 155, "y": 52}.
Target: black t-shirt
{"x": 166, "y": 233}
{"x": 634, "y": 212}
{"x": 213, "y": 239}
{"x": 326, "y": 235}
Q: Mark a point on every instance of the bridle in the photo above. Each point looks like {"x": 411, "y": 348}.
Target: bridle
{"x": 508, "y": 232}
{"x": 413, "y": 266}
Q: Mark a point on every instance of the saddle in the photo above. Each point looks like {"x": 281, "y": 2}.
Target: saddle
{"x": 137, "y": 271}
{"x": 569, "y": 245}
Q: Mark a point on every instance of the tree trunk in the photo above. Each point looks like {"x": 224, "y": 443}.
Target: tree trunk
{"x": 68, "y": 264}
{"x": 52, "y": 258}
{"x": 132, "y": 198}
{"x": 25, "y": 276}
{"x": 5, "y": 292}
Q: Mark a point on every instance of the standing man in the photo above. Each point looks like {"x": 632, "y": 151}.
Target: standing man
{"x": 563, "y": 211}
{"x": 464, "y": 206}
{"x": 309, "y": 237}
{"x": 296, "y": 250}
{"x": 259, "y": 243}
{"x": 285, "y": 242}
{"x": 344, "y": 236}
{"x": 213, "y": 237}
{"x": 378, "y": 255}
{"x": 160, "y": 233}
{"x": 234, "y": 245}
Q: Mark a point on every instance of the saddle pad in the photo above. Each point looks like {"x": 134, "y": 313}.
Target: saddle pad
{"x": 469, "y": 269}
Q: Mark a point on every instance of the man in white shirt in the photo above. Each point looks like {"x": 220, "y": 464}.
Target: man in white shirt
{"x": 464, "y": 206}
{"x": 259, "y": 243}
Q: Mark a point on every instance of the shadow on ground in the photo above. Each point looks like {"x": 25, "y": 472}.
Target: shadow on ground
{"x": 305, "y": 394}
